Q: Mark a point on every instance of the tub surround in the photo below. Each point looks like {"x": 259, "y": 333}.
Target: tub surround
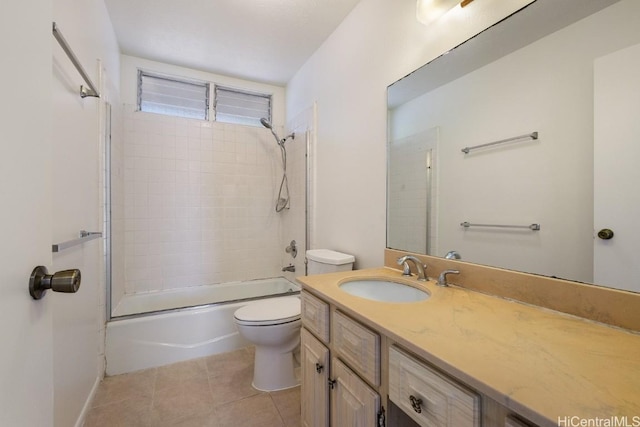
{"x": 508, "y": 336}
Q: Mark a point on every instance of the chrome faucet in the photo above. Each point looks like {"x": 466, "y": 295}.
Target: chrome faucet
{"x": 442, "y": 279}
{"x": 290, "y": 268}
{"x": 403, "y": 260}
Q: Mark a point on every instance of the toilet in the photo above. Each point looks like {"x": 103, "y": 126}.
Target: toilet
{"x": 273, "y": 326}
{"x": 321, "y": 261}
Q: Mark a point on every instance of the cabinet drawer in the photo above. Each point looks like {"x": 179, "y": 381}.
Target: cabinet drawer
{"x": 315, "y": 316}
{"x": 358, "y": 346}
{"x": 427, "y": 396}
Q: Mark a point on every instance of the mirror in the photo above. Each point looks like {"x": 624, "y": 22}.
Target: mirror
{"x": 535, "y": 71}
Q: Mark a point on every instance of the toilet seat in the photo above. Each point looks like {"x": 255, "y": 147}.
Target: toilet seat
{"x": 272, "y": 311}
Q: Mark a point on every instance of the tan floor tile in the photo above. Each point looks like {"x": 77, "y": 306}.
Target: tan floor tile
{"x": 228, "y": 363}
{"x": 189, "y": 398}
{"x": 209, "y": 419}
{"x": 170, "y": 375}
{"x": 233, "y": 386}
{"x": 126, "y": 386}
{"x": 134, "y": 412}
{"x": 288, "y": 404}
{"x": 256, "y": 411}
{"x": 214, "y": 391}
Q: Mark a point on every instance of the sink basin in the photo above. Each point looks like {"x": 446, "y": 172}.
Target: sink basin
{"x": 383, "y": 290}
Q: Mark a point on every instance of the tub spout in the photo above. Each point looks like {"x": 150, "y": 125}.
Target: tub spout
{"x": 290, "y": 267}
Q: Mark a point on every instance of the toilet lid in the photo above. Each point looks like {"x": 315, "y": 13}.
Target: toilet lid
{"x": 270, "y": 311}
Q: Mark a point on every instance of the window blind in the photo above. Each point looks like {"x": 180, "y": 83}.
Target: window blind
{"x": 165, "y": 95}
{"x": 234, "y": 106}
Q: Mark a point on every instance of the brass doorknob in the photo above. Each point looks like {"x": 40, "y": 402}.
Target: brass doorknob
{"x": 605, "y": 234}
{"x": 67, "y": 281}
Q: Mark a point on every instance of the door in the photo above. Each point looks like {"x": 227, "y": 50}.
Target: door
{"x": 353, "y": 402}
{"x": 315, "y": 377}
{"x": 26, "y": 373}
{"x": 616, "y": 174}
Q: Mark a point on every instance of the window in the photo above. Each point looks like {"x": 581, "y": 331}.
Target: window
{"x": 245, "y": 108}
{"x": 172, "y": 96}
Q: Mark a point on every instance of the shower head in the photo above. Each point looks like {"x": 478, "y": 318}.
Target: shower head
{"x": 265, "y": 123}
{"x": 268, "y": 125}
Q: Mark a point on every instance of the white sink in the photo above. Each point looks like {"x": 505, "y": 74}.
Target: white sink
{"x": 383, "y": 290}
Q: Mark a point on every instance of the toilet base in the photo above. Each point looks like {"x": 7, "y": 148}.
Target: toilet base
{"x": 273, "y": 370}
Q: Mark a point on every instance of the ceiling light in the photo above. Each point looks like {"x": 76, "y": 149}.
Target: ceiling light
{"x": 427, "y": 11}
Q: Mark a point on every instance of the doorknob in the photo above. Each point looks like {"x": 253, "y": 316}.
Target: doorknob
{"x": 67, "y": 281}
{"x": 605, "y": 234}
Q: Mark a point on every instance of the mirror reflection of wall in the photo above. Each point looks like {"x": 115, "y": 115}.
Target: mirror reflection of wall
{"x": 547, "y": 87}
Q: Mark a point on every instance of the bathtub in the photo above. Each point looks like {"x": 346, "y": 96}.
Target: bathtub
{"x": 202, "y": 326}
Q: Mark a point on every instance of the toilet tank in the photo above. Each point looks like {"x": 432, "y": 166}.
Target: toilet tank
{"x": 326, "y": 261}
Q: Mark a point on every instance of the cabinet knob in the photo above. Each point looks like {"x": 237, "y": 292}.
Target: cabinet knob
{"x": 416, "y": 404}
{"x": 67, "y": 281}
{"x": 319, "y": 368}
{"x": 332, "y": 384}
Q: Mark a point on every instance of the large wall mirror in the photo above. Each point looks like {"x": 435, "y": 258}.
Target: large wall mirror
{"x": 568, "y": 71}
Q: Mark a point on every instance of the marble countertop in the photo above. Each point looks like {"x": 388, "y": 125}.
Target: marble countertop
{"x": 540, "y": 363}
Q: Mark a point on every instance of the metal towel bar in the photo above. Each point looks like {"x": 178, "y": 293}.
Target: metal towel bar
{"x": 84, "y": 91}
{"x": 532, "y": 135}
{"x": 85, "y": 236}
{"x": 533, "y": 227}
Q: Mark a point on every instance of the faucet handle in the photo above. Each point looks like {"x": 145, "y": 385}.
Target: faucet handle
{"x": 442, "y": 279}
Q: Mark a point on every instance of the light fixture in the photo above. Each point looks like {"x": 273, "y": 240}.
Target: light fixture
{"x": 427, "y": 11}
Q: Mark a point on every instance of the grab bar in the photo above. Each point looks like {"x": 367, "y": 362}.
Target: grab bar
{"x": 84, "y": 91}
{"x": 85, "y": 236}
{"x": 533, "y": 135}
{"x": 533, "y": 227}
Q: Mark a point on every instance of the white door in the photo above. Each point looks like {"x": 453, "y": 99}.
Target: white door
{"x": 616, "y": 170}
{"x": 26, "y": 373}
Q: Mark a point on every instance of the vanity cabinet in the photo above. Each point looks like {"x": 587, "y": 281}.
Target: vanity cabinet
{"x": 351, "y": 373}
{"x": 337, "y": 394}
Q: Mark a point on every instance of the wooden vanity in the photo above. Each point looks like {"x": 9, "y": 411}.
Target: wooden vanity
{"x": 464, "y": 357}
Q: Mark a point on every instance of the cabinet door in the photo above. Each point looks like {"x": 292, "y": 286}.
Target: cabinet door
{"x": 353, "y": 403}
{"x": 315, "y": 378}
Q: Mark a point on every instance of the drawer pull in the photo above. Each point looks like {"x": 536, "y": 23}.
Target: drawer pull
{"x": 332, "y": 384}
{"x": 416, "y": 404}
{"x": 319, "y": 368}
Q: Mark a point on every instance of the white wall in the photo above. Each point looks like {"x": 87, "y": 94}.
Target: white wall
{"x": 378, "y": 43}
{"x": 78, "y": 319}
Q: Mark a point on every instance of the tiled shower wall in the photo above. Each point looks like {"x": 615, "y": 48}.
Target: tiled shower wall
{"x": 198, "y": 203}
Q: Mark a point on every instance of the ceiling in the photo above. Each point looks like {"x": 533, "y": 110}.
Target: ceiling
{"x": 259, "y": 40}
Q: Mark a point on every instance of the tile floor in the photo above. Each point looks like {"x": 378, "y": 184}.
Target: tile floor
{"x": 211, "y": 391}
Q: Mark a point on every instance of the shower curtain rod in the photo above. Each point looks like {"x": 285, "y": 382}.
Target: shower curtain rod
{"x": 84, "y": 91}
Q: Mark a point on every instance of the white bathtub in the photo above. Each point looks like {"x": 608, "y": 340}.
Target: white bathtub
{"x": 159, "y": 339}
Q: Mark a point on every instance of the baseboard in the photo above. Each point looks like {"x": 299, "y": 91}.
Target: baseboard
{"x": 87, "y": 404}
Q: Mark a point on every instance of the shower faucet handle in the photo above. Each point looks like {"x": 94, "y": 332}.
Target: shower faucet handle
{"x": 292, "y": 249}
